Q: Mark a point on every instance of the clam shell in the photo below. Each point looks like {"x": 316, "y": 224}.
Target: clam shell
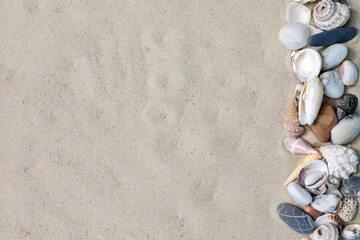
{"x": 299, "y": 194}
{"x": 291, "y": 121}
{"x": 350, "y": 187}
{"x": 346, "y": 106}
{"x": 296, "y": 12}
{"x": 329, "y": 15}
{"x": 312, "y": 212}
{"x": 310, "y": 101}
{"x": 326, "y": 231}
{"x": 328, "y": 218}
{"x": 348, "y": 210}
{"x": 325, "y": 121}
{"x": 298, "y": 146}
{"x": 333, "y": 87}
{"x": 333, "y": 56}
{"x": 306, "y": 160}
{"x": 332, "y": 182}
{"x": 351, "y": 232}
{"x": 294, "y": 35}
{"x": 348, "y": 73}
{"x": 313, "y": 177}
{"x": 342, "y": 161}
{"x": 306, "y": 63}
{"x": 326, "y": 203}
{"x": 346, "y": 130}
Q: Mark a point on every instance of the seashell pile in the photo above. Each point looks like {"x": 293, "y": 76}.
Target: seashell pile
{"x": 322, "y": 184}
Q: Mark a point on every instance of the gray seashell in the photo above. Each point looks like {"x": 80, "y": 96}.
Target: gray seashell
{"x": 326, "y": 203}
{"x": 333, "y": 87}
{"x": 328, "y": 218}
{"x": 296, "y": 218}
{"x": 346, "y": 106}
{"x": 333, "y": 56}
{"x": 326, "y": 231}
{"x": 350, "y": 187}
{"x": 348, "y": 210}
{"x": 348, "y": 73}
{"x": 299, "y": 194}
{"x": 294, "y": 35}
{"x": 333, "y": 182}
{"x": 346, "y": 130}
{"x": 351, "y": 232}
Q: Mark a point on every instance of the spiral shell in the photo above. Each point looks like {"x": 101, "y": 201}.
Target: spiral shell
{"x": 329, "y": 15}
{"x": 326, "y": 231}
{"x": 291, "y": 121}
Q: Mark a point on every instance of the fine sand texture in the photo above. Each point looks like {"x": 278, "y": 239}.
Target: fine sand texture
{"x": 146, "y": 119}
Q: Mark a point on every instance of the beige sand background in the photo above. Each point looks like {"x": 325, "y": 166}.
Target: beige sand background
{"x": 145, "y": 119}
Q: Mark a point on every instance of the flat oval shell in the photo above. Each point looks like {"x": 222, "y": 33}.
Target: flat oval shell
{"x": 333, "y": 86}
{"x": 333, "y": 56}
{"x": 346, "y": 130}
{"x": 324, "y": 123}
{"x": 348, "y": 73}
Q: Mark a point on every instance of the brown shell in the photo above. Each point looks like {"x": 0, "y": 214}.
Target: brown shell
{"x": 348, "y": 210}
{"x": 312, "y": 212}
{"x": 324, "y": 122}
{"x": 291, "y": 121}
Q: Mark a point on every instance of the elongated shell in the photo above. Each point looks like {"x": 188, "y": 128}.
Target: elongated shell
{"x": 296, "y": 12}
{"x": 348, "y": 73}
{"x": 313, "y": 177}
{"x": 291, "y": 121}
{"x": 326, "y": 203}
{"x": 310, "y": 101}
{"x": 342, "y": 161}
{"x": 306, "y": 63}
{"x": 328, "y": 218}
{"x": 329, "y": 15}
{"x": 351, "y": 232}
{"x": 298, "y": 146}
{"x": 299, "y": 194}
{"x": 306, "y": 160}
{"x": 346, "y": 130}
{"x": 326, "y": 231}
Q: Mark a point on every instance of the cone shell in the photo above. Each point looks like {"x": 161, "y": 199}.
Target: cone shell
{"x": 326, "y": 231}
{"x": 348, "y": 73}
{"x": 312, "y": 212}
{"x": 348, "y": 210}
{"x": 324, "y": 123}
{"x": 313, "y": 177}
{"x": 329, "y": 15}
{"x": 346, "y": 130}
{"x": 298, "y": 146}
{"x": 306, "y": 160}
{"x": 328, "y": 218}
{"x": 291, "y": 121}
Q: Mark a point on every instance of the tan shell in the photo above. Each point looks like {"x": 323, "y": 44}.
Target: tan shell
{"x": 326, "y": 231}
{"x": 306, "y": 160}
{"x": 348, "y": 210}
{"x": 291, "y": 121}
{"x": 325, "y": 121}
{"x": 329, "y": 15}
{"x": 312, "y": 212}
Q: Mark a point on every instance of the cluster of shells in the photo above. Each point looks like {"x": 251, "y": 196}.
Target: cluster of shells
{"x": 322, "y": 184}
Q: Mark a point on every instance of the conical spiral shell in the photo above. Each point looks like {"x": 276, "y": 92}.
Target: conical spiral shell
{"x": 329, "y": 15}
{"x": 291, "y": 121}
{"x": 326, "y": 231}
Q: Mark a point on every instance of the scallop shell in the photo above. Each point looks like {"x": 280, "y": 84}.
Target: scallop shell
{"x": 351, "y": 232}
{"x": 348, "y": 73}
{"x": 298, "y": 146}
{"x": 332, "y": 182}
{"x": 310, "y": 101}
{"x": 328, "y": 218}
{"x": 306, "y": 63}
{"x": 296, "y": 12}
{"x": 348, "y": 210}
{"x": 299, "y": 194}
{"x": 342, "y": 161}
{"x": 346, "y": 130}
{"x": 313, "y": 177}
{"x": 329, "y": 15}
{"x": 312, "y": 212}
{"x": 326, "y": 231}
{"x": 333, "y": 56}
{"x": 333, "y": 87}
{"x": 326, "y": 203}
{"x": 291, "y": 121}
{"x": 294, "y": 35}
{"x": 306, "y": 160}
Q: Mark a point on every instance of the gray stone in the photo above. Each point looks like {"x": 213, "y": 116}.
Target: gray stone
{"x": 350, "y": 187}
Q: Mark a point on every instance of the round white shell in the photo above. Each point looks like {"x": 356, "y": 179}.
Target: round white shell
{"x": 296, "y": 12}
{"x": 306, "y": 64}
{"x": 294, "y": 35}
{"x": 329, "y": 15}
{"x": 349, "y": 73}
{"x": 326, "y": 203}
{"x": 299, "y": 194}
{"x": 351, "y": 231}
{"x": 333, "y": 56}
{"x": 333, "y": 87}
{"x": 326, "y": 231}
{"x": 346, "y": 130}
{"x": 310, "y": 101}
{"x": 342, "y": 161}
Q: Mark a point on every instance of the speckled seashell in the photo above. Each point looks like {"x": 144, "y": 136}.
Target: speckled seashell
{"x": 306, "y": 160}
{"x": 291, "y": 121}
{"x": 346, "y": 130}
{"x": 312, "y": 212}
{"x": 326, "y": 203}
{"x": 326, "y": 231}
{"x": 333, "y": 182}
{"x": 342, "y": 161}
{"x": 328, "y": 218}
{"x": 313, "y": 177}
{"x": 346, "y": 106}
{"x": 351, "y": 232}
{"x": 348, "y": 73}
{"x": 298, "y": 146}
{"x": 329, "y": 15}
{"x": 348, "y": 210}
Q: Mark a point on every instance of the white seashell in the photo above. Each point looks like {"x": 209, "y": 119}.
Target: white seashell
{"x": 326, "y": 231}
{"x": 296, "y": 12}
{"x": 298, "y": 146}
{"x": 333, "y": 87}
{"x": 299, "y": 194}
{"x": 342, "y": 161}
{"x": 329, "y": 15}
{"x": 333, "y": 56}
{"x": 326, "y": 203}
{"x": 313, "y": 177}
{"x": 348, "y": 73}
{"x": 306, "y": 63}
{"x": 294, "y": 35}
{"x": 304, "y": 1}
{"x": 328, "y": 218}
{"x": 310, "y": 101}
{"x": 351, "y": 232}
{"x": 332, "y": 182}
{"x": 314, "y": 30}
{"x": 346, "y": 130}
{"x": 297, "y": 92}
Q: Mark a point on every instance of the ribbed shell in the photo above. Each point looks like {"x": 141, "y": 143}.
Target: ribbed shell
{"x": 291, "y": 121}
{"x": 329, "y": 15}
{"x": 348, "y": 73}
